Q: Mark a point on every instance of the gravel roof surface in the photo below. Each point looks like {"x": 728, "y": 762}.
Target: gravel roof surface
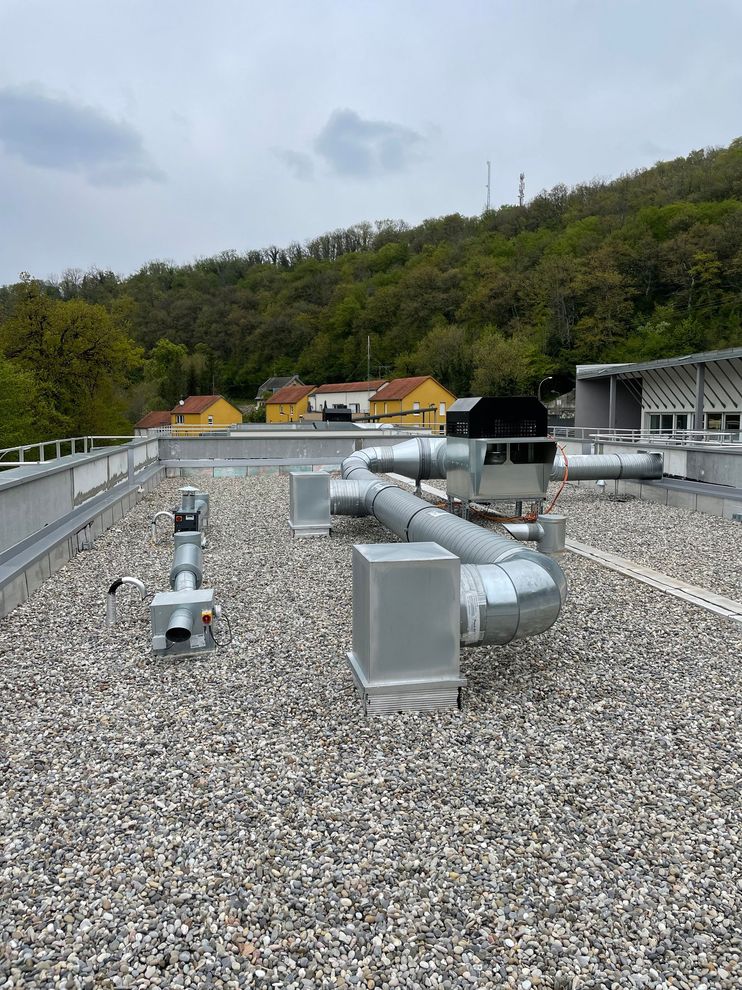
{"x": 691, "y": 546}
{"x": 236, "y": 821}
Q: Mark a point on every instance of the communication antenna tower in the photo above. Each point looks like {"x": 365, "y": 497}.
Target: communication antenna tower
{"x": 487, "y": 204}
{"x": 522, "y": 189}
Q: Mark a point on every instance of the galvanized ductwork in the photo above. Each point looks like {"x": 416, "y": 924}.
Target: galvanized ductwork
{"x": 593, "y": 467}
{"x": 425, "y": 457}
{"x": 419, "y": 458}
{"x": 507, "y": 592}
{"x": 519, "y": 594}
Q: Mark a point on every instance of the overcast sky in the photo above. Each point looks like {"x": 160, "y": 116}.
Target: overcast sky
{"x": 139, "y": 129}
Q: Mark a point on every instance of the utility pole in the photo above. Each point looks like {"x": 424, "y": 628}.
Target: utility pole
{"x": 522, "y": 189}
{"x": 487, "y": 206}
{"x": 368, "y": 361}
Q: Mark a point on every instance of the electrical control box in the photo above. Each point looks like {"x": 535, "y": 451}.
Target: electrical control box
{"x": 187, "y": 522}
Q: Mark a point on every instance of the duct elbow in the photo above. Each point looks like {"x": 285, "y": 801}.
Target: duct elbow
{"x": 519, "y": 597}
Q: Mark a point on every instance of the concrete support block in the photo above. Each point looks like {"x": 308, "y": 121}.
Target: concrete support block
{"x": 13, "y": 593}
{"x": 60, "y": 555}
{"x": 652, "y": 494}
{"x": 37, "y": 573}
{"x": 711, "y": 504}
{"x": 406, "y": 627}
{"x": 731, "y": 508}
{"x": 681, "y": 500}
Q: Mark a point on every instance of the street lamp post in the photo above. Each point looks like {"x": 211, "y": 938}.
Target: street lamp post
{"x": 547, "y": 379}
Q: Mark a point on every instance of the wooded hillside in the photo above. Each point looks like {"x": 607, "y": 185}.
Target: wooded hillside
{"x": 646, "y": 266}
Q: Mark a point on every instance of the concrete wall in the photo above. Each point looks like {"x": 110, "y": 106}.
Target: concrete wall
{"x": 310, "y": 447}
{"x": 50, "y": 511}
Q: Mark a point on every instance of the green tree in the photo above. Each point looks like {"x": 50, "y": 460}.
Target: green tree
{"x": 446, "y": 353}
{"x": 19, "y": 410}
{"x": 80, "y": 358}
{"x": 166, "y": 367}
{"x": 506, "y": 365}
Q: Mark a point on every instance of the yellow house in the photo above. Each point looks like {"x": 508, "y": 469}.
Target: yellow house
{"x": 288, "y": 404}
{"x": 202, "y": 413}
{"x": 417, "y": 395}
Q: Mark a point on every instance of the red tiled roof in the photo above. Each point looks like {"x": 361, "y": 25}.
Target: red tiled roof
{"x": 351, "y": 386}
{"x": 196, "y": 404}
{"x": 399, "y": 388}
{"x": 289, "y": 394}
{"x": 158, "y": 417}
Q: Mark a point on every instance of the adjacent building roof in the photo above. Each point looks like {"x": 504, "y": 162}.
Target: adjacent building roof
{"x": 273, "y": 384}
{"x": 705, "y": 357}
{"x": 195, "y": 404}
{"x": 289, "y": 394}
{"x": 158, "y": 417}
{"x": 401, "y": 387}
{"x": 369, "y": 386}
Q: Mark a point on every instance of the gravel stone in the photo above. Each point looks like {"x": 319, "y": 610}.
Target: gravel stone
{"x": 235, "y": 821}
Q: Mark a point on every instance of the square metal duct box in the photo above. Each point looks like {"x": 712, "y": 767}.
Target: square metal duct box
{"x": 177, "y": 613}
{"x": 406, "y": 627}
{"x": 309, "y": 503}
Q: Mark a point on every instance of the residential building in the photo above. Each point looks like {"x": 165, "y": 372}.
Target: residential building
{"x": 355, "y": 395}
{"x": 203, "y": 412}
{"x": 154, "y": 420}
{"x": 288, "y": 404}
{"x": 272, "y": 385}
{"x": 691, "y": 392}
{"x": 424, "y": 398}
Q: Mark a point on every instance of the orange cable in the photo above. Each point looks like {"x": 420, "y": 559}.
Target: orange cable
{"x": 564, "y": 479}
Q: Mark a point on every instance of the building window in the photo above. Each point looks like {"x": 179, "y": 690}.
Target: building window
{"x": 661, "y": 422}
{"x": 180, "y": 418}
{"x": 415, "y": 405}
{"x": 681, "y": 421}
{"x": 291, "y": 410}
{"x": 732, "y": 422}
{"x": 280, "y": 410}
{"x": 442, "y": 409}
{"x": 211, "y": 420}
{"x": 386, "y": 407}
{"x": 713, "y": 421}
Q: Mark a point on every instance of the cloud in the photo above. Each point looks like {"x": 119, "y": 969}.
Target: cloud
{"x": 356, "y": 147}
{"x": 57, "y": 134}
{"x": 298, "y": 163}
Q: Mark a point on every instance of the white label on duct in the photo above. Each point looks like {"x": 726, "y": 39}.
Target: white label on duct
{"x": 472, "y": 618}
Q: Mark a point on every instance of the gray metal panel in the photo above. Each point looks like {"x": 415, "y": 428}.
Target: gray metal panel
{"x": 406, "y": 622}
{"x": 309, "y": 503}
{"x": 602, "y": 371}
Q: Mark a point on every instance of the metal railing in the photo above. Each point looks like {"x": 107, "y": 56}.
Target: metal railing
{"x": 62, "y": 448}
{"x": 670, "y": 438}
